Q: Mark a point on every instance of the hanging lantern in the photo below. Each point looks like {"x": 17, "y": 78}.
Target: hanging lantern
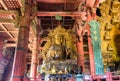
{"x": 58, "y": 17}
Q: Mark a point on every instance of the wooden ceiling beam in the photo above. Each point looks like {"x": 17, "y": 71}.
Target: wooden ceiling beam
{"x": 56, "y": 25}
{"x": 59, "y": 1}
{"x": 72, "y": 14}
{"x": 11, "y": 31}
{"x": 8, "y": 21}
{"x": 6, "y": 30}
{"x": 9, "y": 45}
{"x": 10, "y": 12}
{"x": 3, "y": 4}
{"x": 46, "y": 19}
{"x": 14, "y": 31}
{"x": 11, "y": 39}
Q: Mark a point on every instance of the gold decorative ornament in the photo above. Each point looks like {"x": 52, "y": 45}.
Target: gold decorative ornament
{"x": 110, "y": 23}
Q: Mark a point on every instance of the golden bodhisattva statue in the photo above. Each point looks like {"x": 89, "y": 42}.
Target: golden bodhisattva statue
{"x": 59, "y": 51}
{"x": 60, "y": 46}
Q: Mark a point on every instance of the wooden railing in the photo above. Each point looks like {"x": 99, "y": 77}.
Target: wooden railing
{"x": 37, "y": 79}
{"x": 113, "y": 76}
{"x": 109, "y": 76}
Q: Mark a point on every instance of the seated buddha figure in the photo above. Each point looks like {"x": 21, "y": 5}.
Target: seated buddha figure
{"x": 57, "y": 51}
{"x": 59, "y": 47}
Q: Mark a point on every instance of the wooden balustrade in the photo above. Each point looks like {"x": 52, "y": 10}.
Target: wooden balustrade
{"x": 113, "y": 76}
{"x": 109, "y": 76}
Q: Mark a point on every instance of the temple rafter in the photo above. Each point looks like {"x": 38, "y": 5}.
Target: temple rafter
{"x": 8, "y": 21}
{"x": 6, "y": 30}
{"x": 73, "y": 14}
{"x": 3, "y": 4}
{"x": 59, "y": 1}
{"x": 9, "y": 45}
{"x": 11, "y": 12}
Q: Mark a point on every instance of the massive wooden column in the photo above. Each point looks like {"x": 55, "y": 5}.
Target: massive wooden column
{"x": 40, "y": 59}
{"x": 80, "y": 57}
{"x": 91, "y": 53}
{"x": 22, "y": 45}
{"x": 40, "y": 41}
{"x": 91, "y": 16}
{"x": 33, "y": 70}
{"x": 1, "y": 47}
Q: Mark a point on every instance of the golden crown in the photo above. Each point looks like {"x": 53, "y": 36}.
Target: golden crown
{"x": 58, "y": 31}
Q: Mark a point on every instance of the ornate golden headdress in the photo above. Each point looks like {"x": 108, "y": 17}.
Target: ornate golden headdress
{"x": 58, "y": 31}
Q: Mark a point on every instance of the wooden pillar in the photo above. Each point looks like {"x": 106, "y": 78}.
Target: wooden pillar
{"x": 40, "y": 59}
{"x": 19, "y": 63}
{"x": 91, "y": 53}
{"x": 40, "y": 39}
{"x": 80, "y": 57}
{"x": 109, "y": 76}
{"x": 91, "y": 16}
{"x": 1, "y": 47}
{"x": 33, "y": 70}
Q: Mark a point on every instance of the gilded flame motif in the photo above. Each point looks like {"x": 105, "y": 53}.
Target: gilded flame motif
{"x": 110, "y": 27}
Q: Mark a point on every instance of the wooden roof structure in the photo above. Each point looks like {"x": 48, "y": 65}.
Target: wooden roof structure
{"x": 44, "y": 12}
{"x": 11, "y": 10}
{"x": 9, "y": 13}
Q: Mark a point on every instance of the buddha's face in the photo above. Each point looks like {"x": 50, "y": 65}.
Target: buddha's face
{"x": 58, "y": 39}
